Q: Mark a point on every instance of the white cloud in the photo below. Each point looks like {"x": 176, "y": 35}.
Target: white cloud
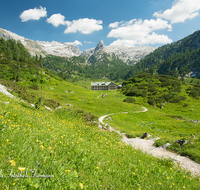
{"x": 56, "y": 20}
{"x": 33, "y": 14}
{"x": 180, "y": 11}
{"x": 89, "y": 42}
{"x": 139, "y": 32}
{"x": 114, "y": 25}
{"x": 76, "y": 43}
{"x": 83, "y": 25}
{"x": 155, "y": 39}
{"x": 150, "y": 39}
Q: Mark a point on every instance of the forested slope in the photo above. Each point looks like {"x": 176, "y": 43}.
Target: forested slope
{"x": 181, "y": 58}
{"x": 76, "y": 68}
{"x": 16, "y": 62}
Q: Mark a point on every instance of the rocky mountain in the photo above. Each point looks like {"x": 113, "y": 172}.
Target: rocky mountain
{"x": 179, "y": 59}
{"x": 130, "y": 55}
{"x": 43, "y": 48}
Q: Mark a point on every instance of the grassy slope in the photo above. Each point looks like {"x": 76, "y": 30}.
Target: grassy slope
{"x": 78, "y": 154}
{"x": 171, "y": 123}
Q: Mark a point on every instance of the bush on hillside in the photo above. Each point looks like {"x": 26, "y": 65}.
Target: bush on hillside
{"x": 51, "y": 103}
{"x": 87, "y": 116}
{"x": 151, "y": 101}
{"x": 194, "y": 92}
{"x": 178, "y": 99}
{"x": 160, "y": 99}
{"x": 129, "y": 100}
{"x": 168, "y": 97}
{"x": 133, "y": 92}
{"x": 136, "y": 92}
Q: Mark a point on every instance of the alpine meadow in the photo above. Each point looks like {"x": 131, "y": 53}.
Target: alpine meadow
{"x": 51, "y": 134}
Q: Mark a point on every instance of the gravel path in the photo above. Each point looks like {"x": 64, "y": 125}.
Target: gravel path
{"x": 147, "y": 147}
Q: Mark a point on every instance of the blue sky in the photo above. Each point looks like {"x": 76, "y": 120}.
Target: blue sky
{"x": 86, "y": 22}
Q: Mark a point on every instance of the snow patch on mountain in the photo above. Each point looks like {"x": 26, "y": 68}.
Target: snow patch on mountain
{"x": 43, "y": 48}
{"x": 127, "y": 54}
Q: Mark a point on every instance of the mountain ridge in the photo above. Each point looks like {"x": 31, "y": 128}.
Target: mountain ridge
{"x": 130, "y": 55}
{"x": 43, "y": 47}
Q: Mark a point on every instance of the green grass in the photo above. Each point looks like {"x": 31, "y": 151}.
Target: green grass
{"x": 74, "y": 155}
{"x": 161, "y": 123}
{"x": 65, "y": 144}
{"x": 172, "y": 123}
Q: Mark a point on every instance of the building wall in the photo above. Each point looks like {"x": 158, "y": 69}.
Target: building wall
{"x": 99, "y": 87}
{"x": 111, "y": 86}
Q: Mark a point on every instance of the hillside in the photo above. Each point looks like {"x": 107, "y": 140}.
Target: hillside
{"x": 76, "y": 69}
{"x": 179, "y": 59}
{"x": 158, "y": 90}
{"x": 67, "y": 148}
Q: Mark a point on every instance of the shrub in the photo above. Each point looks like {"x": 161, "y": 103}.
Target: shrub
{"x": 167, "y": 97}
{"x": 142, "y": 86}
{"x": 185, "y": 105}
{"x": 151, "y": 101}
{"x": 129, "y": 100}
{"x": 161, "y": 142}
{"x": 51, "y": 103}
{"x": 160, "y": 99}
{"x": 143, "y": 93}
{"x": 34, "y": 86}
{"x": 178, "y": 99}
{"x": 152, "y": 89}
{"x": 194, "y": 93}
{"x": 87, "y": 116}
{"x": 165, "y": 83}
{"x": 133, "y": 92}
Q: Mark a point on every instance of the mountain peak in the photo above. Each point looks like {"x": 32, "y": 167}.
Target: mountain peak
{"x": 100, "y": 46}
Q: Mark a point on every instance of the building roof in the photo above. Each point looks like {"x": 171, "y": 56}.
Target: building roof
{"x": 100, "y": 83}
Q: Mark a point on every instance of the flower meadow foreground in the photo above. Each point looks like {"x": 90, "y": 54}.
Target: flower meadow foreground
{"x": 56, "y": 150}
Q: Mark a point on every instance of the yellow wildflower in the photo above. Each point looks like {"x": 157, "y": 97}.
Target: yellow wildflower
{"x": 42, "y": 147}
{"x": 13, "y": 163}
{"x": 21, "y": 169}
{"x": 81, "y": 185}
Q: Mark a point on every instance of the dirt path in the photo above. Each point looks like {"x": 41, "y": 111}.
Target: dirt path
{"x": 147, "y": 147}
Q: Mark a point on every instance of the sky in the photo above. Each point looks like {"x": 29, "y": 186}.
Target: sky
{"x": 85, "y": 22}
